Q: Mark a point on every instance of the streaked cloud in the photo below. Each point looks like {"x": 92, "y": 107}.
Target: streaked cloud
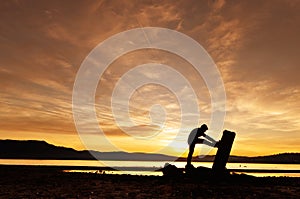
{"x": 255, "y": 45}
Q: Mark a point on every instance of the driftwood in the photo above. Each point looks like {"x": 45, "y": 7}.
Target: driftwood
{"x": 223, "y": 152}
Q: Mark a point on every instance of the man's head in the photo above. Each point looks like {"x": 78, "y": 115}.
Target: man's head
{"x": 201, "y": 130}
{"x": 204, "y": 127}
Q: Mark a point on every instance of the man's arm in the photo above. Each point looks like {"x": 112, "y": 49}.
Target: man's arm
{"x": 206, "y": 142}
{"x": 210, "y": 139}
{"x": 212, "y": 144}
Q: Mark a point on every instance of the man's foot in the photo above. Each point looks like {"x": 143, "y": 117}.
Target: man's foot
{"x": 189, "y": 167}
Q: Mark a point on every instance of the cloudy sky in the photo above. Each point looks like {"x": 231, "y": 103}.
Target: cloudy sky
{"x": 255, "y": 45}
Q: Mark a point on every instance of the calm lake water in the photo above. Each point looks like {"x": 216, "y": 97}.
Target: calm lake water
{"x": 152, "y": 165}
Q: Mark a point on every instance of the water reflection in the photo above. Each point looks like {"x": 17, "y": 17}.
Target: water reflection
{"x": 135, "y": 167}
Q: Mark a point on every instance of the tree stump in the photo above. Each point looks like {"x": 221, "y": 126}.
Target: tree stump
{"x": 223, "y": 152}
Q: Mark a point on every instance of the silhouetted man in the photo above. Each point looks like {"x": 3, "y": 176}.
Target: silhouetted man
{"x": 194, "y": 139}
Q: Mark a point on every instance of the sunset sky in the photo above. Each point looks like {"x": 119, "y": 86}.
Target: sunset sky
{"x": 255, "y": 45}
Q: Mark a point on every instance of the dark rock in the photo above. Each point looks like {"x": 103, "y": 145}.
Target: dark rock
{"x": 170, "y": 170}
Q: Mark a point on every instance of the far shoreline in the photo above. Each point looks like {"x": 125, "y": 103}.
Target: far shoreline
{"x": 152, "y": 169}
{"x": 195, "y": 159}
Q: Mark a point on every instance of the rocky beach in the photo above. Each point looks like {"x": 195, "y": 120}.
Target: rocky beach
{"x": 44, "y": 182}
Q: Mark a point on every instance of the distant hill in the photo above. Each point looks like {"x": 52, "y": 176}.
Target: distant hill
{"x": 32, "y": 149}
{"x": 291, "y": 158}
{"x": 282, "y": 158}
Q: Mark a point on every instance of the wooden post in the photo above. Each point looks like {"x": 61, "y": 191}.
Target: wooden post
{"x": 223, "y": 152}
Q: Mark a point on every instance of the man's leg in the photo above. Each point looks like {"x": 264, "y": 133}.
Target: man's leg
{"x": 191, "y": 151}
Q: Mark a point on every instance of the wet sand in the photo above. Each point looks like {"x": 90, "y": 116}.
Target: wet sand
{"x": 45, "y": 182}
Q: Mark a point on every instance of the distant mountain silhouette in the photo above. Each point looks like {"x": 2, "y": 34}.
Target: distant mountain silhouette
{"x": 282, "y": 158}
{"x": 291, "y": 158}
{"x": 33, "y": 149}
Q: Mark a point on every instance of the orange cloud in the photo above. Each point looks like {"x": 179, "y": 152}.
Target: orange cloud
{"x": 255, "y": 46}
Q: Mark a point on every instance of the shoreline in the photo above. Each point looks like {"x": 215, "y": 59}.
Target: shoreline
{"x": 158, "y": 160}
{"x": 154, "y": 169}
